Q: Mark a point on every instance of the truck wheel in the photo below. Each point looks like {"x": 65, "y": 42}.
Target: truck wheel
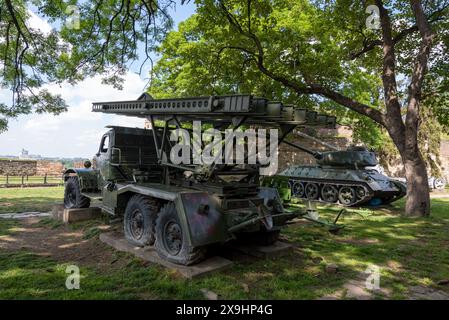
{"x": 72, "y": 195}
{"x": 171, "y": 240}
{"x": 139, "y": 220}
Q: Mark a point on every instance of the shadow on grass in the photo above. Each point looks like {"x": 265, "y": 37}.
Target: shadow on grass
{"x": 17, "y": 205}
{"x": 410, "y": 251}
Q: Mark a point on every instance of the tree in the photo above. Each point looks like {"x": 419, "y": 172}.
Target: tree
{"x": 335, "y": 57}
{"x": 91, "y": 38}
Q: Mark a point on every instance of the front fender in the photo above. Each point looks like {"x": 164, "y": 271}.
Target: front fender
{"x": 87, "y": 178}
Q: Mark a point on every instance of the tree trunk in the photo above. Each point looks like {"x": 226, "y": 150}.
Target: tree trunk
{"x": 418, "y": 193}
{"x": 418, "y": 198}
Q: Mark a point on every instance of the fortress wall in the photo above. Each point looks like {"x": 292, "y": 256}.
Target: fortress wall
{"x": 18, "y": 167}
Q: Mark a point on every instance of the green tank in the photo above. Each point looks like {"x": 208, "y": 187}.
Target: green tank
{"x": 346, "y": 177}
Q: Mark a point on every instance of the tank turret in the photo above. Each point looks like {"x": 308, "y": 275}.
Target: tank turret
{"x": 353, "y": 157}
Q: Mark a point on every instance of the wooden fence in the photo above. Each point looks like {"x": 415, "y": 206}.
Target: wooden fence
{"x": 8, "y": 181}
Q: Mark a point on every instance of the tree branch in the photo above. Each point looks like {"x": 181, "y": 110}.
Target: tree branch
{"x": 311, "y": 88}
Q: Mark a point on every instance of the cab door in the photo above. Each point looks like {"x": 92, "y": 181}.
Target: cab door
{"x": 102, "y": 159}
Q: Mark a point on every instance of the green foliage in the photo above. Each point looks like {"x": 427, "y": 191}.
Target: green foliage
{"x": 103, "y": 41}
{"x": 301, "y": 40}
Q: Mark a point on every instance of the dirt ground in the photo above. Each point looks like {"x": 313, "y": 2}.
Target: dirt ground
{"x": 61, "y": 243}
{"x": 69, "y": 244}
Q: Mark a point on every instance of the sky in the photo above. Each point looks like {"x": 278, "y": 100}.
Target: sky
{"x": 77, "y": 132}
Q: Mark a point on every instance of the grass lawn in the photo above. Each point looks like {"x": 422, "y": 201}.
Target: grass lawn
{"x": 29, "y": 199}
{"x": 409, "y": 251}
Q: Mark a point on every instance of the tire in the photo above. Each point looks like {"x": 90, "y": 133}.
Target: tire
{"x": 72, "y": 195}
{"x": 139, "y": 220}
{"x": 262, "y": 238}
{"x": 171, "y": 240}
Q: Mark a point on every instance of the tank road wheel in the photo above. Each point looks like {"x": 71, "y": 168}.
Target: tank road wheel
{"x": 298, "y": 189}
{"x": 72, "y": 195}
{"x": 361, "y": 192}
{"x": 329, "y": 193}
{"x": 139, "y": 221}
{"x": 171, "y": 240}
{"x": 347, "y": 195}
{"x": 312, "y": 191}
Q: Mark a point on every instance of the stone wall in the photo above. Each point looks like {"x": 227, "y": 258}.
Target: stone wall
{"x": 30, "y": 168}
{"x": 18, "y": 167}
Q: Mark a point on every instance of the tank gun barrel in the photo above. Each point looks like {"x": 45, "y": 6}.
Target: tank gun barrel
{"x": 317, "y": 155}
{"x": 327, "y": 145}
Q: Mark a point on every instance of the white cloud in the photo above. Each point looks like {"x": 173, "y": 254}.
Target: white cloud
{"x": 36, "y": 22}
{"x": 77, "y": 131}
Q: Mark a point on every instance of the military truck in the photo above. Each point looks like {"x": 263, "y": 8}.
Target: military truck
{"x": 183, "y": 209}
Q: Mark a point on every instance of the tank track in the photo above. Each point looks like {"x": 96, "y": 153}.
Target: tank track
{"x": 338, "y": 184}
{"x": 360, "y": 200}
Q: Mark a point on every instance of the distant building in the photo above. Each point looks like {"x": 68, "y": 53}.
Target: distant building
{"x": 25, "y": 154}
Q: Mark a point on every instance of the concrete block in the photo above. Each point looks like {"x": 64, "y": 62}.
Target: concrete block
{"x": 80, "y": 214}
{"x": 211, "y": 265}
{"x": 74, "y": 215}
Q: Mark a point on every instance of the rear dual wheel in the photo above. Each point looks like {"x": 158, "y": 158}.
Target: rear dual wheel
{"x": 145, "y": 225}
{"x": 139, "y": 220}
{"x": 171, "y": 239}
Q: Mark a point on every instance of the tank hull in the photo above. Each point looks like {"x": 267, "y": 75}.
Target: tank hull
{"x": 347, "y": 187}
